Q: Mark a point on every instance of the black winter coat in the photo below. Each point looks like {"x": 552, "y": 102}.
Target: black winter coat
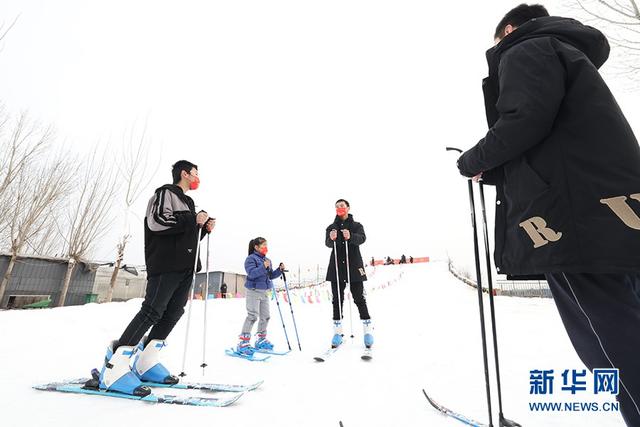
{"x": 170, "y": 232}
{"x": 356, "y": 265}
{"x": 561, "y": 153}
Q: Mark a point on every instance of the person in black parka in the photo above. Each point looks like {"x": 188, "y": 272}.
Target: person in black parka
{"x": 345, "y": 231}
{"x": 566, "y": 166}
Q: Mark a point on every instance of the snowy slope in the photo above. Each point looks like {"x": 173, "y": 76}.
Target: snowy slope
{"x": 427, "y": 335}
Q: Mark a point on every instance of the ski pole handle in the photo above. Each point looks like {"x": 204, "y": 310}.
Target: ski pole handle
{"x": 460, "y": 151}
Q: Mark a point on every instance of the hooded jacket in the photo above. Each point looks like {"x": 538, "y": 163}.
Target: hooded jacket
{"x": 564, "y": 160}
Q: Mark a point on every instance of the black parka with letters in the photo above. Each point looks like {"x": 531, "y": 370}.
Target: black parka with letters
{"x": 564, "y": 160}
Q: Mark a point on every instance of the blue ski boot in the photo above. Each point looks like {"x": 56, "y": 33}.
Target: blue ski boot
{"x": 116, "y": 373}
{"x": 244, "y": 346}
{"x": 368, "y": 333}
{"x": 336, "y": 341}
{"x": 146, "y": 363}
{"x": 262, "y": 343}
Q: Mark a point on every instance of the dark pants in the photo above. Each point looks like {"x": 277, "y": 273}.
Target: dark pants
{"x": 357, "y": 290}
{"x": 163, "y": 306}
{"x": 601, "y": 313}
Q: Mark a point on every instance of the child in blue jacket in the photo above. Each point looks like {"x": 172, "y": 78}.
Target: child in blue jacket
{"x": 259, "y": 275}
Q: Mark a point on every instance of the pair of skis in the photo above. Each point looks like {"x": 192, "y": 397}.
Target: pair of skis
{"x": 80, "y": 388}
{"x": 89, "y": 386}
{"x": 366, "y": 355}
{"x": 259, "y": 355}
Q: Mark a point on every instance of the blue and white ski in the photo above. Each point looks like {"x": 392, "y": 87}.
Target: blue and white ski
{"x": 234, "y": 388}
{"x": 272, "y": 352}
{"x": 65, "y": 387}
{"x": 448, "y": 412}
{"x": 253, "y": 358}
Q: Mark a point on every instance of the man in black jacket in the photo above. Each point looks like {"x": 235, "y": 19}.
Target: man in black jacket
{"x": 347, "y": 235}
{"x": 171, "y": 232}
{"x": 566, "y": 167}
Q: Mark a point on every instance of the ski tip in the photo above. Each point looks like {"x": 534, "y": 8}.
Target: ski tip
{"x": 431, "y": 401}
{"x": 255, "y": 385}
{"x": 232, "y": 400}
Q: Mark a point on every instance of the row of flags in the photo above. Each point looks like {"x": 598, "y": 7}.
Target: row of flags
{"x": 318, "y": 294}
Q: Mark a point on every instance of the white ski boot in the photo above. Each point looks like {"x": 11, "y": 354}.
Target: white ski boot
{"x": 337, "y": 334}
{"x": 116, "y": 373}
{"x": 368, "y": 333}
{"x": 146, "y": 363}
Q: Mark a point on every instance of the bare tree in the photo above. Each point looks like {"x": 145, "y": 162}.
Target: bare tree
{"x": 35, "y": 192}
{"x": 20, "y": 144}
{"x": 620, "y": 20}
{"x": 89, "y": 214}
{"x": 136, "y": 168}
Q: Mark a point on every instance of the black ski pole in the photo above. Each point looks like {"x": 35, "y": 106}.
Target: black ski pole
{"x": 502, "y": 420}
{"x": 479, "y": 287}
{"x": 346, "y": 247}
{"x": 339, "y": 296}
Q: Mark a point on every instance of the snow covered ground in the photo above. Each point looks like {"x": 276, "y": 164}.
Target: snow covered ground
{"x": 427, "y": 336}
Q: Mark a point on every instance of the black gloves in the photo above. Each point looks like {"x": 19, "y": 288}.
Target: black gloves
{"x": 461, "y": 168}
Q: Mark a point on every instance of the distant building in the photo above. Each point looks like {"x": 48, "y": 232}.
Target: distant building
{"x": 35, "y": 279}
{"x": 130, "y": 283}
{"x": 235, "y": 283}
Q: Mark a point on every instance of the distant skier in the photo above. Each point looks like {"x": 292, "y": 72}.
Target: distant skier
{"x": 171, "y": 232}
{"x": 410, "y": 260}
{"x": 259, "y": 275}
{"x": 223, "y": 290}
{"x": 566, "y": 166}
{"x": 344, "y": 230}
{"x": 403, "y": 259}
